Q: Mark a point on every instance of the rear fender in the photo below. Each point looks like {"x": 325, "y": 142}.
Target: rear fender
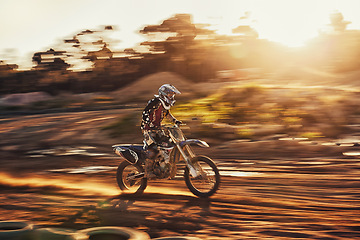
{"x": 126, "y": 152}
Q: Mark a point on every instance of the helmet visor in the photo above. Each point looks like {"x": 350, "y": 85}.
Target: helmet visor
{"x": 171, "y": 95}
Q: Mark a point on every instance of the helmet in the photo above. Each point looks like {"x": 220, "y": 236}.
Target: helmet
{"x": 167, "y": 95}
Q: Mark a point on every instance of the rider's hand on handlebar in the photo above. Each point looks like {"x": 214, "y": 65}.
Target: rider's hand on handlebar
{"x": 178, "y": 122}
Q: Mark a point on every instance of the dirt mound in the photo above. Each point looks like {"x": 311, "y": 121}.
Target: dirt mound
{"x": 145, "y": 88}
{"x": 19, "y": 99}
{"x": 317, "y": 77}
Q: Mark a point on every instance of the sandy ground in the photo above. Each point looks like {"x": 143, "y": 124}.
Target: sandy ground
{"x": 58, "y": 170}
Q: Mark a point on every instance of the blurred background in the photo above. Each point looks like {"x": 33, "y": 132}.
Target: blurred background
{"x": 290, "y": 65}
{"x": 271, "y": 85}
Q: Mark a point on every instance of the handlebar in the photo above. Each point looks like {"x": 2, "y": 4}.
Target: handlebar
{"x": 172, "y": 125}
{"x": 167, "y": 126}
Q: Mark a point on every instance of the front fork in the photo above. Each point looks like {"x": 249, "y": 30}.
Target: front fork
{"x": 187, "y": 157}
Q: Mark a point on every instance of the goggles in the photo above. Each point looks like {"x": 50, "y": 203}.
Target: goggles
{"x": 171, "y": 95}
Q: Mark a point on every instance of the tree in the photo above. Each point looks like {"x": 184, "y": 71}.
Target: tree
{"x": 244, "y": 29}
{"x": 78, "y": 53}
{"x": 337, "y": 49}
{"x": 184, "y": 45}
{"x": 337, "y": 22}
{"x": 87, "y": 46}
{"x": 50, "y": 60}
{"x": 173, "y": 33}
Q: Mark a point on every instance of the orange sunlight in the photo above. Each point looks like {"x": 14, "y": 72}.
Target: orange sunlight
{"x": 291, "y": 23}
{"x": 87, "y": 187}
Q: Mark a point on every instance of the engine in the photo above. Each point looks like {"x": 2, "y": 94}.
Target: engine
{"x": 162, "y": 166}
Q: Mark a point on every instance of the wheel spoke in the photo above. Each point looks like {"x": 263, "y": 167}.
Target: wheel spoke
{"x": 130, "y": 178}
{"x": 207, "y": 181}
{"x": 130, "y": 182}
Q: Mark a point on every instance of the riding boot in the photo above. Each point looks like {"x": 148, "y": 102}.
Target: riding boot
{"x": 149, "y": 164}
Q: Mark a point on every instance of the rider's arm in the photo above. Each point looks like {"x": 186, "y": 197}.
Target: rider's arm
{"x": 172, "y": 118}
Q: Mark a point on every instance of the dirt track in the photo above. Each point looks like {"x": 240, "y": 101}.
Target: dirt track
{"x": 46, "y": 179}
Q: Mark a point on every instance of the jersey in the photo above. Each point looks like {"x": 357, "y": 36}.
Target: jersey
{"x": 153, "y": 115}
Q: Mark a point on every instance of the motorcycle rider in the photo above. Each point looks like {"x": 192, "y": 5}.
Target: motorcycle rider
{"x": 152, "y": 116}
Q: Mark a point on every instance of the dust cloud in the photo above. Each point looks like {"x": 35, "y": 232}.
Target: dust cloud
{"x": 83, "y": 187}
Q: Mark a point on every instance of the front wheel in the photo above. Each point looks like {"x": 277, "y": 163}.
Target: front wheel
{"x": 207, "y": 181}
{"x": 130, "y": 178}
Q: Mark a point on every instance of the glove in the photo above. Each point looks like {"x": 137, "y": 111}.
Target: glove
{"x": 178, "y": 122}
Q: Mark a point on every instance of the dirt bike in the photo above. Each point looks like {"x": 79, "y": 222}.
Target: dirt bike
{"x": 200, "y": 172}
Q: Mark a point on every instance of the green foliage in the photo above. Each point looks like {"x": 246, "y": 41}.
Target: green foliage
{"x": 253, "y": 110}
{"x": 226, "y": 106}
{"x": 124, "y": 125}
{"x": 244, "y": 133}
{"x": 311, "y": 135}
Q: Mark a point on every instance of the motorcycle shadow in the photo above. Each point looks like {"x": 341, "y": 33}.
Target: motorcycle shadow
{"x": 124, "y": 200}
{"x": 178, "y": 213}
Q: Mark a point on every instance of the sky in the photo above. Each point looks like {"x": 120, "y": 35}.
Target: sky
{"x": 29, "y": 26}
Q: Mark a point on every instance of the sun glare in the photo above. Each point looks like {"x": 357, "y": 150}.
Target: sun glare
{"x": 291, "y": 23}
{"x": 293, "y": 27}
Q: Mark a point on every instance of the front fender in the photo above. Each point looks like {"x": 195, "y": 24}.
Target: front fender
{"x": 194, "y": 142}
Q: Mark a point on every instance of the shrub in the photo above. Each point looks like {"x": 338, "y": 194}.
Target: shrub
{"x": 311, "y": 135}
{"x": 126, "y": 125}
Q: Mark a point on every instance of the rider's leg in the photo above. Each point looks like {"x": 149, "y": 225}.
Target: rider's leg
{"x": 152, "y": 152}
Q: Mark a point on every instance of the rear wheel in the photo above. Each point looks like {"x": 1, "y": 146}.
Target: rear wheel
{"x": 208, "y": 180}
{"x": 130, "y": 178}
